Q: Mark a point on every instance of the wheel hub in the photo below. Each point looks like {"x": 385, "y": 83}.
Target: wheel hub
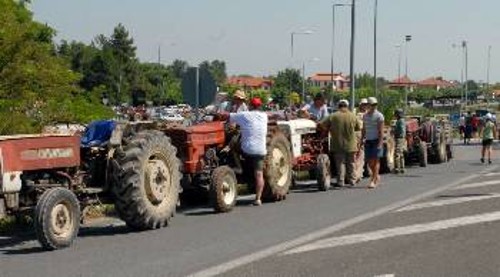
{"x": 229, "y": 192}
{"x": 157, "y": 181}
{"x": 61, "y": 220}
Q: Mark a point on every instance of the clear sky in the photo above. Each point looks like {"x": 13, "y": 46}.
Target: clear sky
{"x": 253, "y": 37}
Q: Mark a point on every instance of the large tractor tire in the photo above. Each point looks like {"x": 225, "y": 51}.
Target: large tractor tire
{"x": 449, "y": 151}
{"x": 147, "y": 181}
{"x": 277, "y": 167}
{"x": 323, "y": 175}
{"x": 57, "y": 218}
{"x": 224, "y": 189}
{"x": 442, "y": 153}
{"x": 387, "y": 162}
{"x": 422, "y": 154}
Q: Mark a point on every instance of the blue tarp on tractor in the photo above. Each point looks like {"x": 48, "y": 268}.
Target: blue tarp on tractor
{"x": 98, "y": 133}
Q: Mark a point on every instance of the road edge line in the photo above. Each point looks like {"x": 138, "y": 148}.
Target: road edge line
{"x": 281, "y": 247}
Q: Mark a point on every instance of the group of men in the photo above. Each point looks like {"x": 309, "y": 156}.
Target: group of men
{"x": 356, "y": 140}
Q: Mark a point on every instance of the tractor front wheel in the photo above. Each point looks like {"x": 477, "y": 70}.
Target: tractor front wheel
{"x": 57, "y": 218}
{"x": 323, "y": 175}
{"x": 224, "y": 190}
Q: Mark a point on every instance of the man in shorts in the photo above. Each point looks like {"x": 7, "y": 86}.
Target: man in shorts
{"x": 373, "y": 135}
{"x": 488, "y": 133}
{"x": 253, "y": 127}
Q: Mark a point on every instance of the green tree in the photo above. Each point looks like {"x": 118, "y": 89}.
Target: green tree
{"x": 285, "y": 82}
{"x": 218, "y": 70}
{"x": 179, "y": 68}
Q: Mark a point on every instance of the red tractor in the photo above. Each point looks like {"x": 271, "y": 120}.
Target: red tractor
{"x": 416, "y": 147}
{"x": 55, "y": 178}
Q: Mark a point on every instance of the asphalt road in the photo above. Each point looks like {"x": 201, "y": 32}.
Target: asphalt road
{"x": 348, "y": 232}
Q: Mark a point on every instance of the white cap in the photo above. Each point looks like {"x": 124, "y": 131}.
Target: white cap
{"x": 372, "y": 100}
{"x": 488, "y": 116}
{"x": 343, "y": 101}
{"x": 363, "y": 101}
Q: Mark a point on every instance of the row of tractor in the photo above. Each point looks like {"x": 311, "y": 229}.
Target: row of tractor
{"x": 143, "y": 168}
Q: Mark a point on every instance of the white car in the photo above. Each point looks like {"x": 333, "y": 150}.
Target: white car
{"x": 172, "y": 117}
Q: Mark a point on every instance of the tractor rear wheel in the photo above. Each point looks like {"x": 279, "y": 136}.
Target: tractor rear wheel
{"x": 422, "y": 154}
{"x": 277, "y": 167}
{"x": 147, "y": 181}
{"x": 323, "y": 175}
{"x": 224, "y": 189}
{"x": 443, "y": 155}
{"x": 57, "y": 218}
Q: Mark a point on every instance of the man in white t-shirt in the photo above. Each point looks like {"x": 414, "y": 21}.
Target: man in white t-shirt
{"x": 253, "y": 127}
{"x": 373, "y": 135}
{"x": 316, "y": 110}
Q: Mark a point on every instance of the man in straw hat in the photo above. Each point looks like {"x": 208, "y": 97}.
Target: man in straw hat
{"x": 239, "y": 104}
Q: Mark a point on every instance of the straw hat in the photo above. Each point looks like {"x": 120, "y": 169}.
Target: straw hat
{"x": 240, "y": 95}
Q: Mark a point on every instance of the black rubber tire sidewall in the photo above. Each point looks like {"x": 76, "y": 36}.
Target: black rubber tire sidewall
{"x": 42, "y": 224}
{"x": 272, "y": 191}
{"x": 422, "y": 154}
{"x": 131, "y": 200}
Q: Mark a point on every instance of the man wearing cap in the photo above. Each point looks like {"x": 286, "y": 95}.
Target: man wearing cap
{"x": 342, "y": 126}
{"x": 373, "y": 135}
{"x": 488, "y": 133}
{"x": 316, "y": 110}
{"x": 361, "y": 167}
{"x": 253, "y": 127}
{"x": 400, "y": 138}
{"x": 239, "y": 105}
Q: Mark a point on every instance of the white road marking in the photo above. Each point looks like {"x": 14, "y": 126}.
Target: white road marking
{"x": 478, "y": 185}
{"x": 386, "y": 275}
{"x": 445, "y": 202}
{"x": 278, "y": 248}
{"x": 492, "y": 174}
{"x": 396, "y": 232}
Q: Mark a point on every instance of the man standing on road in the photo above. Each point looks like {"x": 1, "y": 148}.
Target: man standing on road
{"x": 316, "y": 110}
{"x": 343, "y": 125}
{"x": 239, "y": 105}
{"x": 488, "y": 133}
{"x": 253, "y": 126}
{"x": 373, "y": 135}
{"x": 400, "y": 138}
{"x": 361, "y": 168}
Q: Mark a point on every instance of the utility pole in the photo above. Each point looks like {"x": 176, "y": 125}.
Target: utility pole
{"x": 407, "y": 40}
{"x": 488, "y": 67}
{"x": 375, "y": 48}
{"x": 466, "y": 57}
{"x": 352, "y": 88}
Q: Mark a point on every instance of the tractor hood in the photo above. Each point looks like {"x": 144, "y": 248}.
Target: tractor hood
{"x": 298, "y": 126}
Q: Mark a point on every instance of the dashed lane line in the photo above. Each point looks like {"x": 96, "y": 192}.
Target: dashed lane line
{"x": 446, "y": 202}
{"x": 396, "y": 232}
{"x": 478, "y": 185}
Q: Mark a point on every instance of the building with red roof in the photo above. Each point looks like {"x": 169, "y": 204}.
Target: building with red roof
{"x": 250, "y": 83}
{"x": 323, "y": 80}
{"x": 435, "y": 83}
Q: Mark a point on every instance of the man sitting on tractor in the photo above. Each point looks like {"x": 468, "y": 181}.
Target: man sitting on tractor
{"x": 253, "y": 126}
{"x": 316, "y": 110}
{"x": 239, "y": 105}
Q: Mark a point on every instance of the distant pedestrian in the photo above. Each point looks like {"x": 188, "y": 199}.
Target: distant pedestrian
{"x": 342, "y": 126}
{"x": 253, "y": 125}
{"x": 475, "y": 121}
{"x": 400, "y": 138}
{"x": 468, "y": 129}
{"x": 373, "y": 135}
{"x": 488, "y": 133}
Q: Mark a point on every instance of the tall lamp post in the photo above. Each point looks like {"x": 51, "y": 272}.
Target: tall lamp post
{"x": 407, "y": 40}
{"x": 304, "y": 76}
{"x": 332, "y": 57}
{"x": 400, "y": 54}
{"x": 375, "y": 15}
{"x": 488, "y": 67}
{"x": 466, "y": 61}
{"x": 292, "y": 36}
{"x": 352, "y": 88}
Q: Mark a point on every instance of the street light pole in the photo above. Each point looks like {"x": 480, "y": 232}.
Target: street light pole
{"x": 333, "y": 42}
{"x": 488, "y": 67}
{"x": 375, "y": 48}
{"x": 466, "y": 57}
{"x": 407, "y": 40}
{"x": 400, "y": 54}
{"x": 352, "y": 88}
